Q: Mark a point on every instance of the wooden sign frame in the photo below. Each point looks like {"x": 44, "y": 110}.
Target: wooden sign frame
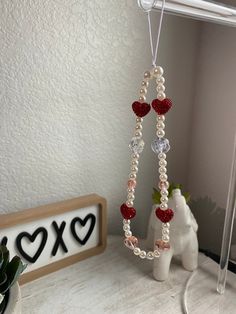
{"x": 51, "y": 210}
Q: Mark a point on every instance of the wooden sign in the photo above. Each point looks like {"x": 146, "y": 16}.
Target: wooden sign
{"x": 54, "y": 236}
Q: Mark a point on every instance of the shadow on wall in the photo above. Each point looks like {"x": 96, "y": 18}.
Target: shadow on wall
{"x": 210, "y": 220}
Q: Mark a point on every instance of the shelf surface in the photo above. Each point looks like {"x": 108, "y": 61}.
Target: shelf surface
{"x": 117, "y": 282}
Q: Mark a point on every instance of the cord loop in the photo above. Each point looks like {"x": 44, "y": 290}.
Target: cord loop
{"x": 154, "y": 54}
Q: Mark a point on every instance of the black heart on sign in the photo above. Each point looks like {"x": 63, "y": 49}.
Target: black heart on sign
{"x": 83, "y": 222}
{"x": 31, "y": 238}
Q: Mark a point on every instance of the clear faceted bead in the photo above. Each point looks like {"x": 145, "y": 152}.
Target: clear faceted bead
{"x": 136, "y": 145}
{"x": 160, "y": 145}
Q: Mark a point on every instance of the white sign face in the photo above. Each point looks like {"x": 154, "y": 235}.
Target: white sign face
{"x": 47, "y": 240}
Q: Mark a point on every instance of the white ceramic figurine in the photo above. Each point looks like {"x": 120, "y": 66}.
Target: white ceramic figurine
{"x": 183, "y": 237}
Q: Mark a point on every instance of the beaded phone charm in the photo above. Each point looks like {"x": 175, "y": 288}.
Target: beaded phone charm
{"x": 160, "y": 146}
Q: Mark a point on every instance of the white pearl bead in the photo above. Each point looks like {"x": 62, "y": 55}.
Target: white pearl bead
{"x": 165, "y": 238}
{"x": 144, "y": 83}
{"x": 156, "y": 253}
{"x": 138, "y": 127}
{"x": 164, "y": 199}
{"x": 126, "y": 227}
{"x": 158, "y": 71}
{"x": 160, "y": 133}
{"x": 164, "y": 192}
{"x": 134, "y": 169}
{"x": 130, "y": 196}
{"x": 160, "y": 125}
{"x": 136, "y": 251}
{"x": 160, "y": 88}
{"x": 163, "y": 206}
{"x": 142, "y": 98}
{"x": 135, "y": 156}
{"x": 139, "y": 120}
{"x": 160, "y": 80}
{"x": 161, "y": 117}
{"x": 129, "y": 203}
{"x": 163, "y": 177}
{"x": 143, "y": 91}
{"x": 147, "y": 74}
{"x": 138, "y": 134}
{"x": 162, "y": 170}
{"x": 142, "y": 254}
{"x": 167, "y": 184}
{"x": 165, "y": 232}
{"x": 162, "y": 156}
{"x": 161, "y": 96}
{"x": 154, "y": 72}
{"x": 133, "y": 176}
{"x": 166, "y": 225}
{"x": 128, "y": 234}
{"x": 150, "y": 255}
{"x": 126, "y": 221}
{"x": 134, "y": 162}
{"x": 162, "y": 162}
{"x": 130, "y": 191}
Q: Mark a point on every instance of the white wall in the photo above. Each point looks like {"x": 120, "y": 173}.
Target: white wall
{"x": 213, "y": 131}
{"x": 69, "y": 73}
{"x": 214, "y": 113}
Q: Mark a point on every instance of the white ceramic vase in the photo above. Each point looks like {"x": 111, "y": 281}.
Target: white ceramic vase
{"x": 14, "y": 302}
{"x": 183, "y": 237}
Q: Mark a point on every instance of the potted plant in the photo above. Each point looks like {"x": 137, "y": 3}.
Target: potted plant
{"x": 9, "y": 288}
{"x": 156, "y": 196}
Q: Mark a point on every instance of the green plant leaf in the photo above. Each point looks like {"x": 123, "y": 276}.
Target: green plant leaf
{"x": 5, "y": 287}
{"x": 3, "y": 278}
{"x": 14, "y": 269}
{"x": 1, "y": 259}
{"x": 187, "y": 196}
{"x": 178, "y": 186}
{"x": 171, "y": 188}
{"x": 1, "y": 298}
{"x": 5, "y": 255}
{"x": 9, "y": 271}
{"x": 156, "y": 196}
{"x": 2, "y": 305}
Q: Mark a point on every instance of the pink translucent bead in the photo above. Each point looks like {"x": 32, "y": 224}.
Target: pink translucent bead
{"x": 163, "y": 185}
{"x": 131, "y": 184}
{"x": 131, "y": 242}
{"x": 161, "y": 245}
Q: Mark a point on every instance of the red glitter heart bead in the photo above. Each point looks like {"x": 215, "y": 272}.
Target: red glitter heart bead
{"x": 164, "y": 215}
{"x": 141, "y": 109}
{"x": 161, "y": 106}
{"x": 127, "y": 212}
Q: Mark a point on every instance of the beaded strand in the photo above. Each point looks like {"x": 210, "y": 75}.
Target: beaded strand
{"x": 160, "y": 146}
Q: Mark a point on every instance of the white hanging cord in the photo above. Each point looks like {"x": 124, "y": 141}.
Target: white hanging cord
{"x": 154, "y": 54}
{"x": 185, "y": 295}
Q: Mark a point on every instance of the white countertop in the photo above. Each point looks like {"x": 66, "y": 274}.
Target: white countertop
{"x": 118, "y": 282}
